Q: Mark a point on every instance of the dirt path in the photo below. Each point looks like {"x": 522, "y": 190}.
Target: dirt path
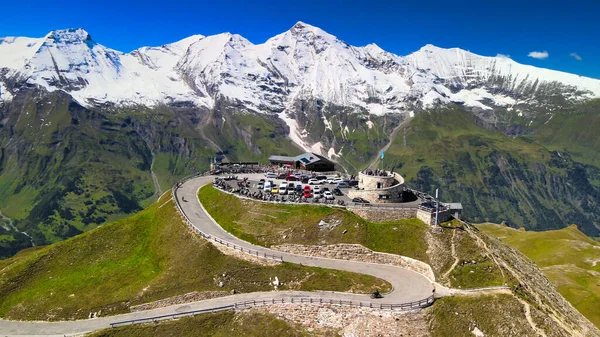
{"x": 393, "y": 134}
{"x": 453, "y": 253}
{"x": 527, "y": 308}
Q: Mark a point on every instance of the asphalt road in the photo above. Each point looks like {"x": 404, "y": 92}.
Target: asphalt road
{"x": 407, "y": 285}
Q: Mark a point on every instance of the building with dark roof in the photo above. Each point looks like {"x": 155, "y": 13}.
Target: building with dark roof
{"x": 307, "y": 161}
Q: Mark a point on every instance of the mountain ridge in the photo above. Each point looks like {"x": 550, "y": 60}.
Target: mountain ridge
{"x": 229, "y": 46}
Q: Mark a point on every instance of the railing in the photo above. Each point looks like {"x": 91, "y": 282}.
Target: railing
{"x": 216, "y": 239}
{"x": 384, "y": 205}
{"x": 354, "y": 303}
{"x": 172, "y": 316}
{"x": 300, "y": 300}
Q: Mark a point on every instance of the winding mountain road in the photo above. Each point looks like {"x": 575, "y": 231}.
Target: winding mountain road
{"x": 408, "y": 286}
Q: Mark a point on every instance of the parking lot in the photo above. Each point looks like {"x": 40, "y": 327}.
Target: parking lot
{"x": 248, "y": 185}
{"x": 253, "y": 186}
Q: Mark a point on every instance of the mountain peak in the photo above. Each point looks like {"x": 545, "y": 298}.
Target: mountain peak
{"x": 430, "y": 48}
{"x": 70, "y": 35}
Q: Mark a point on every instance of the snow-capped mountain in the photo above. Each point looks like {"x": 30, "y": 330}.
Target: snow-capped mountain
{"x": 304, "y": 62}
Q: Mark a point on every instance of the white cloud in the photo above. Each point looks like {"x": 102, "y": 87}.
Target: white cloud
{"x": 503, "y": 55}
{"x": 576, "y": 56}
{"x": 540, "y": 55}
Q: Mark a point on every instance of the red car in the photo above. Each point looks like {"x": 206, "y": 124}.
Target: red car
{"x": 307, "y": 194}
{"x": 307, "y": 189}
{"x": 292, "y": 178}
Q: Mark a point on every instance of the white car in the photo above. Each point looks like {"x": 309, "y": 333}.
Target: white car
{"x": 317, "y": 190}
{"x": 268, "y": 186}
{"x": 271, "y": 175}
{"x": 321, "y": 179}
{"x": 283, "y": 189}
{"x": 337, "y": 180}
{"x": 313, "y": 181}
{"x": 328, "y": 195}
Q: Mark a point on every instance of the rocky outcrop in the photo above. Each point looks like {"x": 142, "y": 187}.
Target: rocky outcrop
{"x": 355, "y": 322}
{"x": 355, "y": 252}
{"x": 185, "y": 298}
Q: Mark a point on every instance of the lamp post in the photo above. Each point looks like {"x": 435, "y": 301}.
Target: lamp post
{"x": 437, "y": 206}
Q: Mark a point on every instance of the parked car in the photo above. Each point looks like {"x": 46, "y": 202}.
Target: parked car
{"x": 271, "y": 175}
{"x": 321, "y": 179}
{"x": 292, "y": 178}
{"x": 331, "y": 180}
{"x": 353, "y": 183}
{"x": 325, "y": 189}
{"x": 314, "y": 181}
{"x": 317, "y": 196}
{"x": 360, "y": 201}
{"x": 261, "y": 185}
{"x": 282, "y": 176}
{"x": 337, "y": 192}
{"x": 275, "y": 190}
{"x": 299, "y": 188}
{"x": 328, "y": 195}
{"x": 268, "y": 186}
{"x": 305, "y": 180}
{"x": 307, "y": 188}
{"x": 317, "y": 190}
{"x": 307, "y": 194}
{"x": 343, "y": 184}
{"x": 283, "y": 189}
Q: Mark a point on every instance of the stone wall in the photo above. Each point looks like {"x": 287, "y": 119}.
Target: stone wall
{"x": 348, "y": 321}
{"x": 372, "y": 196}
{"x": 383, "y": 214}
{"x": 429, "y": 218}
{"x": 355, "y": 252}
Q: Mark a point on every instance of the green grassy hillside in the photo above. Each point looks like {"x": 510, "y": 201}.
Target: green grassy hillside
{"x": 569, "y": 259}
{"x": 149, "y": 256}
{"x": 495, "y": 176}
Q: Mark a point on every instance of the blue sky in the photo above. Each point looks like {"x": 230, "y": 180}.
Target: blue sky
{"x": 486, "y": 27}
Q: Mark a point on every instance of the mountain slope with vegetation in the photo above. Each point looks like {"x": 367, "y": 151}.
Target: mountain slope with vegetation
{"x": 65, "y": 169}
{"x": 569, "y": 259}
{"x": 495, "y": 176}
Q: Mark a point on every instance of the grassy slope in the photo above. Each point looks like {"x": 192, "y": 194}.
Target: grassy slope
{"x": 499, "y": 315}
{"x": 143, "y": 258}
{"x": 567, "y": 257}
{"x": 269, "y": 224}
{"x": 222, "y": 324}
{"x": 496, "y": 177}
{"x": 475, "y": 268}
